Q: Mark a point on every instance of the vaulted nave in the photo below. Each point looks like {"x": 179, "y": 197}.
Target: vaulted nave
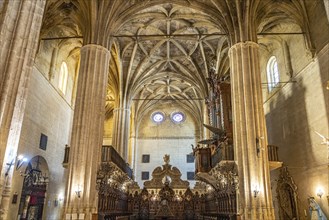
{"x": 164, "y": 109}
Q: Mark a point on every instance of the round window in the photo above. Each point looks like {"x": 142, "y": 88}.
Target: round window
{"x": 177, "y": 117}
{"x": 157, "y": 117}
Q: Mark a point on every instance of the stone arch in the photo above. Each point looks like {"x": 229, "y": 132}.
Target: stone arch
{"x": 33, "y": 194}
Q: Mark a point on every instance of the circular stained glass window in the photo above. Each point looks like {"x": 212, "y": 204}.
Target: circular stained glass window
{"x": 157, "y": 117}
{"x": 177, "y": 117}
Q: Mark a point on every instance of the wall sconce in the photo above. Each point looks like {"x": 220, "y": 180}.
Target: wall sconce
{"x": 20, "y": 161}
{"x": 256, "y": 191}
{"x": 319, "y": 192}
{"x": 78, "y": 191}
{"x": 56, "y": 201}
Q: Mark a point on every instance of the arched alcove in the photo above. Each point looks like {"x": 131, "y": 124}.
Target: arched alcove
{"x": 36, "y": 178}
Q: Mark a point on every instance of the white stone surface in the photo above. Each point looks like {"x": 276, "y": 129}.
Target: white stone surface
{"x": 48, "y": 113}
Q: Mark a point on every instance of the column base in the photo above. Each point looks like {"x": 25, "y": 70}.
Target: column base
{"x": 80, "y": 215}
{"x": 256, "y": 214}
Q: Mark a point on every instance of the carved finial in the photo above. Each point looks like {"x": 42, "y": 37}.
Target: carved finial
{"x": 166, "y": 158}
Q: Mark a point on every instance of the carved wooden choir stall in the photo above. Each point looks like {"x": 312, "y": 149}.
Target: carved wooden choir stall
{"x": 166, "y": 195}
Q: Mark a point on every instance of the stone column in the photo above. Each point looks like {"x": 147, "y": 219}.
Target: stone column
{"x": 87, "y": 131}
{"x": 249, "y": 133}
{"x": 132, "y": 140}
{"x": 20, "y": 24}
{"x": 121, "y": 131}
{"x": 204, "y": 132}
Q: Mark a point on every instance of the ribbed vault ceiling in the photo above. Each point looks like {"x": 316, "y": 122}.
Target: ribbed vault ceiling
{"x": 161, "y": 49}
{"x": 164, "y": 53}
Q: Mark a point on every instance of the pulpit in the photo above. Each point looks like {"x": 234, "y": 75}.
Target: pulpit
{"x": 202, "y": 159}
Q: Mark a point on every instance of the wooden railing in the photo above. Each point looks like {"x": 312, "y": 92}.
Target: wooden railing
{"x": 273, "y": 153}
{"x": 109, "y": 154}
{"x": 223, "y": 207}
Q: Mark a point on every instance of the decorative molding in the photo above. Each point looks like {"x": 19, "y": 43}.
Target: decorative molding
{"x": 95, "y": 46}
{"x": 223, "y": 177}
{"x": 243, "y": 45}
{"x": 287, "y": 195}
{"x": 166, "y": 173}
{"x": 110, "y": 177}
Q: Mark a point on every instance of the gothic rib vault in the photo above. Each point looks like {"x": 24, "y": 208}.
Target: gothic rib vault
{"x": 132, "y": 54}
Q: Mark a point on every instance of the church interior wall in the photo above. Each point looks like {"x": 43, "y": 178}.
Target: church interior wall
{"x": 297, "y": 110}
{"x": 165, "y": 138}
{"x": 294, "y": 111}
{"x": 48, "y": 113}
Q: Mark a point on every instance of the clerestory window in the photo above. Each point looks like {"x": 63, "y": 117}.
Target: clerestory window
{"x": 63, "y": 77}
{"x": 273, "y": 75}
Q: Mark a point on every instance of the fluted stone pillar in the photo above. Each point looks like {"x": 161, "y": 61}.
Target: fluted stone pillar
{"x": 132, "y": 139}
{"x": 249, "y": 133}
{"x": 20, "y": 24}
{"x": 204, "y": 132}
{"x": 87, "y": 131}
{"x": 120, "y": 136}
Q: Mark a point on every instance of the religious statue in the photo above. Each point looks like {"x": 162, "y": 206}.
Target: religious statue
{"x": 166, "y": 158}
{"x": 315, "y": 210}
{"x": 195, "y": 148}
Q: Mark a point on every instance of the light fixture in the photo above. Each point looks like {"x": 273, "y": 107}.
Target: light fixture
{"x": 20, "y": 161}
{"x": 319, "y": 192}
{"x": 78, "y": 191}
{"x": 58, "y": 199}
{"x": 56, "y": 202}
{"x": 256, "y": 191}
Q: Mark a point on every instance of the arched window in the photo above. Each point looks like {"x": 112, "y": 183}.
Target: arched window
{"x": 273, "y": 75}
{"x": 63, "y": 77}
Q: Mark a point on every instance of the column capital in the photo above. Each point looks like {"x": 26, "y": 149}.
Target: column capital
{"x": 243, "y": 45}
{"x": 94, "y": 46}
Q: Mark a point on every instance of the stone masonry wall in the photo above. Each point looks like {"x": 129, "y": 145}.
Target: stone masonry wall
{"x": 48, "y": 113}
